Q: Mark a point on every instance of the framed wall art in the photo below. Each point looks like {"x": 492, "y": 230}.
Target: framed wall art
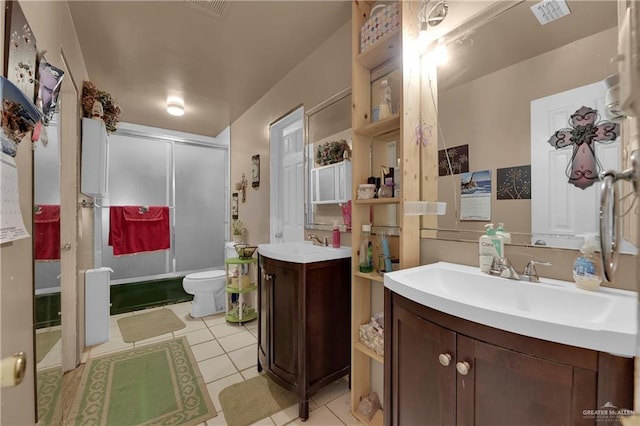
{"x": 234, "y": 205}
{"x": 255, "y": 171}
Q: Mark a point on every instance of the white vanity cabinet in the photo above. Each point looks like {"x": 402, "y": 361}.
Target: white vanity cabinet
{"x": 331, "y": 184}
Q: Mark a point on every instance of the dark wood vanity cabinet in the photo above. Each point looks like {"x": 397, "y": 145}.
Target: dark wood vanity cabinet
{"x": 443, "y": 370}
{"x": 304, "y": 312}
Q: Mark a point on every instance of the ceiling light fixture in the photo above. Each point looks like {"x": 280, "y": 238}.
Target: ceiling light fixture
{"x": 175, "y": 106}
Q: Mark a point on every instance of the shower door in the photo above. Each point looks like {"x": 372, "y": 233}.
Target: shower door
{"x": 189, "y": 177}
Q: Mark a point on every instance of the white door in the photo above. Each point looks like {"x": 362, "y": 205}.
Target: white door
{"x": 287, "y": 178}
{"x": 17, "y": 405}
{"x": 560, "y": 208}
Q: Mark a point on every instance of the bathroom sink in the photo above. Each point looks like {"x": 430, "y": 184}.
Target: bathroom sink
{"x": 554, "y": 310}
{"x": 302, "y": 252}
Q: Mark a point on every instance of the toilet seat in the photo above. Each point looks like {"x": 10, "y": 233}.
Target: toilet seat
{"x": 205, "y": 275}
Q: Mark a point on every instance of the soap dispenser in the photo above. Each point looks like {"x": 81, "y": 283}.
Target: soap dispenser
{"x": 586, "y": 268}
{"x": 501, "y": 232}
{"x": 335, "y": 237}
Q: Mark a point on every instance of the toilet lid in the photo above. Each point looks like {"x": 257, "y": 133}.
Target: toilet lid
{"x": 206, "y": 275}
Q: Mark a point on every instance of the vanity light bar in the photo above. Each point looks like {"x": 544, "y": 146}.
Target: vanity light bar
{"x": 549, "y": 10}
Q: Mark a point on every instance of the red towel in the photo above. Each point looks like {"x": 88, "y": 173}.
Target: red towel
{"x": 136, "y": 229}
{"x": 47, "y": 232}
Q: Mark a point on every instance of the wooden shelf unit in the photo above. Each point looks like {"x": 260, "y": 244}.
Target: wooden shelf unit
{"x": 386, "y": 54}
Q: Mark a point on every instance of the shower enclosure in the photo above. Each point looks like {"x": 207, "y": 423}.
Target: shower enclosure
{"x": 190, "y": 176}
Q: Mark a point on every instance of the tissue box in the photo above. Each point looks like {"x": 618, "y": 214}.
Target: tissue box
{"x": 381, "y": 22}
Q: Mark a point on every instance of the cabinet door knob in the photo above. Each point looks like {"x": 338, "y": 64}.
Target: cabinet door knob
{"x": 463, "y": 367}
{"x": 268, "y": 277}
{"x": 444, "y": 359}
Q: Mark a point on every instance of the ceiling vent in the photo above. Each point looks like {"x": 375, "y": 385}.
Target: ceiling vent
{"x": 213, "y": 8}
{"x": 549, "y": 10}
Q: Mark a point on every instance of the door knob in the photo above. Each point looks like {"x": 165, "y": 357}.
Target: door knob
{"x": 445, "y": 359}
{"x": 268, "y": 277}
{"x": 12, "y": 369}
{"x": 463, "y": 367}
{"x": 67, "y": 247}
{"x": 278, "y": 235}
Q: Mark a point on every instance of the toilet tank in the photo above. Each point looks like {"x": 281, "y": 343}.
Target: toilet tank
{"x": 229, "y": 250}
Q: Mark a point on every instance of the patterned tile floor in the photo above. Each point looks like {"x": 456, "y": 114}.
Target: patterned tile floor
{"x": 226, "y": 354}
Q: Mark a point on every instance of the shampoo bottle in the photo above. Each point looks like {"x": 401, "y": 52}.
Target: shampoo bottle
{"x": 335, "y": 238}
{"x": 366, "y": 250}
{"x": 490, "y": 246}
{"x": 586, "y": 269}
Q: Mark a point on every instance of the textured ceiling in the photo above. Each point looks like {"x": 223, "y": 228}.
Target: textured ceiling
{"x": 141, "y": 52}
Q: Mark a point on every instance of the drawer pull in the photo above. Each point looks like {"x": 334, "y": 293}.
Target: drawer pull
{"x": 445, "y": 359}
{"x": 463, "y": 368}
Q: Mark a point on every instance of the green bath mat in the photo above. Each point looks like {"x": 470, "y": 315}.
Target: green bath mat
{"x": 154, "y": 384}
{"x": 247, "y": 402}
{"x": 49, "y": 384}
{"x": 150, "y": 324}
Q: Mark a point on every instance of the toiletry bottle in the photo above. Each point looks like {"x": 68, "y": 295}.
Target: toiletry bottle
{"x": 385, "y": 109}
{"x": 490, "y": 246}
{"x": 501, "y": 232}
{"x": 335, "y": 240}
{"x": 366, "y": 250}
{"x": 586, "y": 268}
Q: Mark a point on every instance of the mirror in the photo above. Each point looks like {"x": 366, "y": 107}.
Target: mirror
{"x": 48, "y": 327}
{"x": 501, "y": 65}
{"x": 327, "y": 162}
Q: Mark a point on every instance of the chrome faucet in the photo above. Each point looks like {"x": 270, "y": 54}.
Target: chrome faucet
{"x": 501, "y": 266}
{"x": 324, "y": 242}
{"x": 530, "y": 274}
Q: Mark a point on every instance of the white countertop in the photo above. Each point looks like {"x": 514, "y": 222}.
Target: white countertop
{"x": 603, "y": 320}
{"x": 302, "y": 252}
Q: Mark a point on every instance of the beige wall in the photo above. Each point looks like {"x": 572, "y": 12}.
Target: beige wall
{"x": 492, "y": 115}
{"x": 321, "y": 75}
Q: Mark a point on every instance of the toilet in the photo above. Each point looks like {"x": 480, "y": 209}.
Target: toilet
{"x": 208, "y": 292}
{"x": 208, "y": 288}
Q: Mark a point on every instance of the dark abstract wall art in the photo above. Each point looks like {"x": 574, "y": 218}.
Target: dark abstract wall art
{"x": 458, "y": 161}
{"x": 514, "y": 183}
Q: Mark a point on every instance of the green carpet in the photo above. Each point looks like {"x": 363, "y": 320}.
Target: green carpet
{"x": 150, "y": 324}
{"x": 49, "y": 384}
{"x": 247, "y": 402}
{"x": 45, "y": 341}
{"x": 154, "y": 384}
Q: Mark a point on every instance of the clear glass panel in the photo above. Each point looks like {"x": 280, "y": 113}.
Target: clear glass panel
{"x": 200, "y": 199}
{"x": 139, "y": 174}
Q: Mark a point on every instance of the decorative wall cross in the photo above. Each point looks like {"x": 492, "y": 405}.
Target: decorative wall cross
{"x": 584, "y": 167}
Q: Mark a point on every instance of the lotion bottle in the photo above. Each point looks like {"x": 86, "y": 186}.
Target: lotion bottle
{"x": 490, "y": 246}
{"x": 335, "y": 238}
{"x": 501, "y": 232}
